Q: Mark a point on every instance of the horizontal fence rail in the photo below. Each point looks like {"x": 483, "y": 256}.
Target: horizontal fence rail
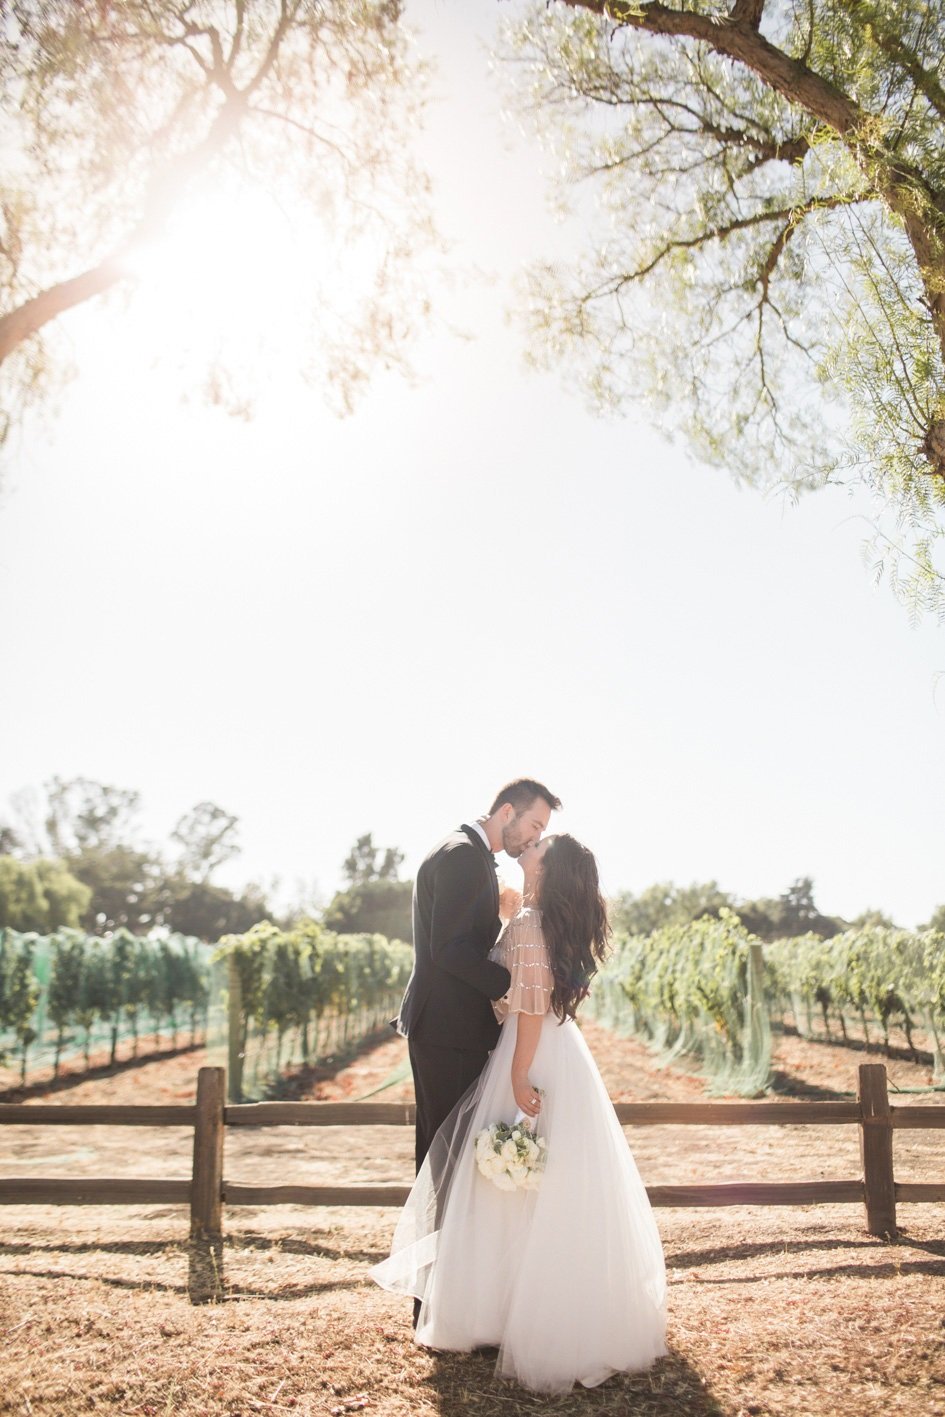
{"x": 208, "y": 1191}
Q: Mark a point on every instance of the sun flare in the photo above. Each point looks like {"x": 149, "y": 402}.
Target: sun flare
{"x": 240, "y": 292}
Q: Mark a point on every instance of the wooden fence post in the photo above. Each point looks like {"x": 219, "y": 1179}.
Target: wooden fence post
{"x": 234, "y": 1030}
{"x": 876, "y": 1149}
{"x": 206, "y": 1193}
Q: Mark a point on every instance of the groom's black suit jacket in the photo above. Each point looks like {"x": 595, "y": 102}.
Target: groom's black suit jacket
{"x": 455, "y": 924}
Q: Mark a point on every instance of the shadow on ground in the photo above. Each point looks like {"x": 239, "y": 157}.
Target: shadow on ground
{"x": 465, "y": 1385}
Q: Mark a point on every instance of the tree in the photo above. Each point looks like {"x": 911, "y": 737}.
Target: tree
{"x": 362, "y": 864}
{"x": 124, "y": 883}
{"x": 83, "y": 816}
{"x": 373, "y": 908}
{"x": 872, "y": 919}
{"x": 92, "y": 828}
{"x": 206, "y": 836}
{"x": 791, "y": 914}
{"x": 666, "y": 904}
{"x": 22, "y": 906}
{"x": 107, "y": 879}
{"x": 40, "y": 895}
{"x": 119, "y": 112}
{"x": 772, "y": 184}
{"x": 376, "y": 901}
{"x": 207, "y": 911}
{"x": 937, "y": 921}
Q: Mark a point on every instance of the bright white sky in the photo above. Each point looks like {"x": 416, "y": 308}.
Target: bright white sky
{"x": 332, "y": 627}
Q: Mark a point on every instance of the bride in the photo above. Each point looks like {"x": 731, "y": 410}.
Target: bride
{"x": 566, "y": 1280}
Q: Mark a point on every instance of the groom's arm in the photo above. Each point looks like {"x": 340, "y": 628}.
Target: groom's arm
{"x": 453, "y": 925}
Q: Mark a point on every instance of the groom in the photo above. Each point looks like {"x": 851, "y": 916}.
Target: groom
{"x": 446, "y": 1014}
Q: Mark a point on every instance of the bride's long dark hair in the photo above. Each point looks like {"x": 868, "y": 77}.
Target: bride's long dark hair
{"x": 573, "y": 918}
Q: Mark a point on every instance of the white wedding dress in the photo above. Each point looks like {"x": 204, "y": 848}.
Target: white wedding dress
{"x": 567, "y": 1281}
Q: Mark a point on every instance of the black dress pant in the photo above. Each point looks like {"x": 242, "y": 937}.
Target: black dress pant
{"x": 440, "y": 1077}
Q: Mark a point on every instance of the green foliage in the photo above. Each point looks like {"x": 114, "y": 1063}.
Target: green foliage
{"x": 373, "y": 907}
{"x": 937, "y": 922}
{"x": 375, "y": 901}
{"x": 701, "y": 989}
{"x": 793, "y": 913}
{"x": 106, "y": 881}
{"x": 666, "y": 904}
{"x": 65, "y": 983}
{"x": 20, "y": 991}
{"x": 117, "y": 981}
{"x": 685, "y": 988}
{"x": 122, "y": 882}
{"x": 326, "y": 989}
{"x": 767, "y": 266}
{"x": 872, "y": 973}
{"x": 367, "y": 862}
{"x": 208, "y": 911}
{"x": 40, "y": 895}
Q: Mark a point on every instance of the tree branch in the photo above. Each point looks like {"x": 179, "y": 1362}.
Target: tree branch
{"x": 908, "y": 61}
{"x": 903, "y": 187}
{"x": 791, "y": 216}
{"x": 163, "y": 191}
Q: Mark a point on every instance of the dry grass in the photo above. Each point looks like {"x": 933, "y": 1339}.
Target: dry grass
{"x": 771, "y": 1311}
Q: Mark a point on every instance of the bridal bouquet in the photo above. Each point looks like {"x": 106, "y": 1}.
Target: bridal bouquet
{"x": 510, "y": 1155}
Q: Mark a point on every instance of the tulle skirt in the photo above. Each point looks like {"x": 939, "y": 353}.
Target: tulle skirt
{"x": 567, "y": 1281}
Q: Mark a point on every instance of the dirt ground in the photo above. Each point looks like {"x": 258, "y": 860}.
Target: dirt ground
{"x": 772, "y": 1311}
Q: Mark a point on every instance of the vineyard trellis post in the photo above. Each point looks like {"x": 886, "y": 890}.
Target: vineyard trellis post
{"x": 876, "y": 1150}
{"x": 234, "y": 1030}
{"x": 206, "y": 1195}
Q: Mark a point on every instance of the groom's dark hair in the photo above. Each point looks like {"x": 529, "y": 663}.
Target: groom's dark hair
{"x": 521, "y": 794}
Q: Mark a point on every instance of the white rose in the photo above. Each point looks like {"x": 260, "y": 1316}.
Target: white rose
{"x": 504, "y": 1182}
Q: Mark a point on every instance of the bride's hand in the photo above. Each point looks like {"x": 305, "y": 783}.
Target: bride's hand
{"x": 526, "y": 1096}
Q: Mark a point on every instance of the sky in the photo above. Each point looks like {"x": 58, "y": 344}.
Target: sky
{"x": 334, "y": 626}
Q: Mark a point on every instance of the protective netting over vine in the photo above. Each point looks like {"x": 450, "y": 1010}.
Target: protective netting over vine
{"x": 303, "y": 995}
{"x": 711, "y": 991}
{"x": 69, "y": 994}
{"x": 693, "y": 989}
{"x": 291, "y": 997}
{"x": 864, "y": 982}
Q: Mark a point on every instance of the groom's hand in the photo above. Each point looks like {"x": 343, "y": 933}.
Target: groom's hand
{"x": 510, "y": 902}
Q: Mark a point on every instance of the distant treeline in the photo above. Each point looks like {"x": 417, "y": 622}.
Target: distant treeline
{"x": 71, "y": 857}
{"x": 768, "y": 918}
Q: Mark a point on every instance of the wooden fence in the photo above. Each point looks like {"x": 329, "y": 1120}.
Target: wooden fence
{"x": 207, "y": 1190}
